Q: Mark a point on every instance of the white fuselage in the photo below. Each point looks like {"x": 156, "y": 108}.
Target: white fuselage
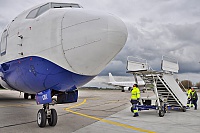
{"x": 124, "y": 85}
{"x": 78, "y": 40}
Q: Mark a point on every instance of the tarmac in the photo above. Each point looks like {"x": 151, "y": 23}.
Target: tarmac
{"x": 99, "y": 111}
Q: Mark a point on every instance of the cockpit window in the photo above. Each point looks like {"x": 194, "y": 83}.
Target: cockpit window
{"x": 33, "y": 13}
{"x": 38, "y": 11}
{"x": 43, "y": 9}
{"x": 64, "y": 5}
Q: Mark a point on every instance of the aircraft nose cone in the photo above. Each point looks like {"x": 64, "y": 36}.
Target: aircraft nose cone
{"x": 91, "y": 40}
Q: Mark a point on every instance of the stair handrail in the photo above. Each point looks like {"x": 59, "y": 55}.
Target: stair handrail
{"x": 138, "y": 60}
{"x": 182, "y": 86}
{"x": 169, "y": 64}
{"x": 156, "y": 91}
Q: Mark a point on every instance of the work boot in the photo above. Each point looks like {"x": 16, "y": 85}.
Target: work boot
{"x": 136, "y": 115}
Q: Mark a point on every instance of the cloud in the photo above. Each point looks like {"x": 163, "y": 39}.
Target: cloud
{"x": 155, "y": 27}
{"x": 150, "y": 41}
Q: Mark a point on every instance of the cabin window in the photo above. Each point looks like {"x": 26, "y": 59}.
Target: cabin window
{"x": 40, "y": 10}
{"x": 4, "y": 42}
{"x": 64, "y": 5}
{"x": 33, "y": 13}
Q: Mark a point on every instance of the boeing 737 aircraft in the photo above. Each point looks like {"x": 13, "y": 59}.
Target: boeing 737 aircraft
{"x": 124, "y": 85}
{"x": 54, "y": 48}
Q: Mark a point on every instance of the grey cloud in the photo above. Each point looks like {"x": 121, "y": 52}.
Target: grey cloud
{"x": 3, "y": 22}
{"x": 187, "y": 32}
{"x": 116, "y": 66}
{"x": 151, "y": 42}
{"x": 155, "y": 27}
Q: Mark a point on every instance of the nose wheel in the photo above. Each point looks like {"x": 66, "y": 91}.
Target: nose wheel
{"x": 45, "y": 114}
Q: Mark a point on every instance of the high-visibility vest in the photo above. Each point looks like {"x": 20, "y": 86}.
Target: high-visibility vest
{"x": 135, "y": 93}
{"x": 193, "y": 95}
{"x": 189, "y": 91}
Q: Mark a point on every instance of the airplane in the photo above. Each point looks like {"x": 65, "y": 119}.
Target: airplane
{"x": 124, "y": 85}
{"x": 54, "y": 48}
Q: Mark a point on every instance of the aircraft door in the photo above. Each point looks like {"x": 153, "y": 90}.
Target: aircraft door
{"x": 4, "y": 42}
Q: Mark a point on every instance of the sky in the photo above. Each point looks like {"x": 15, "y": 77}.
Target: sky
{"x": 155, "y": 28}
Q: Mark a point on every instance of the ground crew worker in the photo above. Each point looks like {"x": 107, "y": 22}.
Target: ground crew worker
{"x": 189, "y": 98}
{"x": 135, "y": 96}
{"x": 194, "y": 98}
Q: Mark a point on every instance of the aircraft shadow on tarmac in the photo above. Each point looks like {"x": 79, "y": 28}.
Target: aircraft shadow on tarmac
{"x": 9, "y": 98}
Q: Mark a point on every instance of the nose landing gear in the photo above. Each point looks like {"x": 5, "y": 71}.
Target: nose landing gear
{"x": 45, "y": 97}
{"x": 45, "y": 114}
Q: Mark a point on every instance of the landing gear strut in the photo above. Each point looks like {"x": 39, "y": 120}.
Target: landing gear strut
{"x": 45, "y": 114}
{"x": 25, "y": 95}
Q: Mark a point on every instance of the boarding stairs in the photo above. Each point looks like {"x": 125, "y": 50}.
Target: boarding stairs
{"x": 164, "y": 91}
{"x": 165, "y": 86}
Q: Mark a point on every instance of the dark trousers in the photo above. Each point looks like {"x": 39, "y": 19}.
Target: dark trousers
{"x": 134, "y": 103}
{"x": 194, "y": 101}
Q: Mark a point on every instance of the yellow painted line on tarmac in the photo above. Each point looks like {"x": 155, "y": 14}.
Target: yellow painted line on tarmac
{"x": 84, "y": 101}
{"x": 104, "y": 120}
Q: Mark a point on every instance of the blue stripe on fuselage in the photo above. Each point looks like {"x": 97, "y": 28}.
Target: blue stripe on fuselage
{"x": 35, "y": 74}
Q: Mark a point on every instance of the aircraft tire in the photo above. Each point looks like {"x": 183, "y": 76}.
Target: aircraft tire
{"x": 53, "y": 118}
{"x": 26, "y": 95}
{"x": 41, "y": 118}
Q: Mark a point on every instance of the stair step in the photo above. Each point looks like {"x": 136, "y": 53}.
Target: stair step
{"x": 163, "y": 93}
{"x": 171, "y": 100}
{"x": 161, "y": 88}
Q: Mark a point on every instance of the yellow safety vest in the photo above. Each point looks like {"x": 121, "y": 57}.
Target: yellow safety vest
{"x": 193, "y": 95}
{"x": 135, "y": 93}
{"x": 189, "y": 91}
